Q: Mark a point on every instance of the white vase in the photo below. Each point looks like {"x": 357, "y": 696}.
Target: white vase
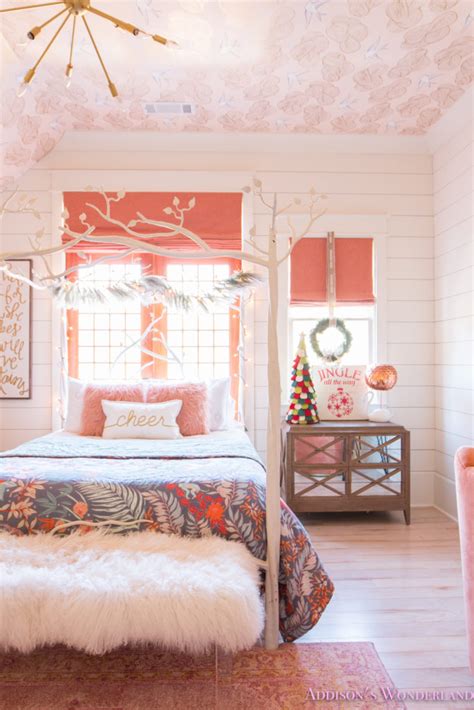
{"x": 380, "y": 415}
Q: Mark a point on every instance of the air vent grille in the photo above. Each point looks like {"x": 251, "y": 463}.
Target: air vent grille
{"x": 169, "y": 108}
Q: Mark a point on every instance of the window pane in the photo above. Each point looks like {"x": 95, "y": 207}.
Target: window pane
{"x": 358, "y": 319}
{"x": 104, "y": 331}
{"x": 190, "y": 337}
{"x": 106, "y": 334}
{"x": 117, "y": 321}
{"x": 221, "y": 338}
{"x": 200, "y": 340}
{"x": 86, "y": 321}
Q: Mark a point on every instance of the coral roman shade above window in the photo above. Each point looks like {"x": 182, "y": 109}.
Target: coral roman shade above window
{"x": 216, "y": 217}
{"x": 354, "y": 271}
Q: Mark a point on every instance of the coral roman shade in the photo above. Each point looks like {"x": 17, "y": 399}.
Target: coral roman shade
{"x": 354, "y": 271}
{"x": 216, "y": 217}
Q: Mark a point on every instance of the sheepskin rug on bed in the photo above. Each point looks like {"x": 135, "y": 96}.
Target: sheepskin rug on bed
{"x": 95, "y": 592}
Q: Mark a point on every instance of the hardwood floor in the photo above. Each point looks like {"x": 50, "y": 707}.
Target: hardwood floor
{"x": 401, "y": 588}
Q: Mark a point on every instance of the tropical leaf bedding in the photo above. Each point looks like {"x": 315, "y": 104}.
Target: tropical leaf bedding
{"x": 196, "y": 486}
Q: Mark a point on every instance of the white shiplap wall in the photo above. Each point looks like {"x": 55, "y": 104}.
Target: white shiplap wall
{"x": 454, "y": 306}
{"x": 21, "y": 420}
{"x": 397, "y": 186}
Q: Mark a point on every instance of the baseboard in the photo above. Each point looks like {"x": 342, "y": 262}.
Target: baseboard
{"x": 445, "y": 496}
{"x": 448, "y": 515}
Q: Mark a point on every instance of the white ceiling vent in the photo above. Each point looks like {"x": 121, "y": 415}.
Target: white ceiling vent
{"x": 169, "y": 108}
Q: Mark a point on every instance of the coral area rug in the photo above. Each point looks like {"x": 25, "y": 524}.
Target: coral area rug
{"x": 302, "y": 675}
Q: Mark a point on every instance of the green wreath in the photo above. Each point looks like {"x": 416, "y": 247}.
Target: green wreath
{"x": 320, "y": 328}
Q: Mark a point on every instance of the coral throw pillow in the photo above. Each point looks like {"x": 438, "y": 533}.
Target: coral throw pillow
{"x": 93, "y": 417}
{"x": 193, "y": 418}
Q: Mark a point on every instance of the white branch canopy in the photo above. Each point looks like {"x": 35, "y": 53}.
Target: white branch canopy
{"x": 267, "y": 257}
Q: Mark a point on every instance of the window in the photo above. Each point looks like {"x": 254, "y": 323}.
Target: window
{"x": 130, "y": 341}
{"x": 360, "y": 321}
{"x": 354, "y": 292}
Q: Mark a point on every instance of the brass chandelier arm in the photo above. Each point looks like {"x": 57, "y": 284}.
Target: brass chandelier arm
{"x": 71, "y": 50}
{"x": 128, "y": 27}
{"x": 115, "y": 20}
{"x": 29, "y": 7}
{"x": 74, "y": 19}
{"x": 31, "y": 72}
{"x": 36, "y": 30}
{"x": 112, "y": 87}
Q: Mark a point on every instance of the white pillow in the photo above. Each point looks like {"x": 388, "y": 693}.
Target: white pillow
{"x": 75, "y": 403}
{"x": 219, "y": 404}
{"x": 341, "y": 392}
{"x": 139, "y": 420}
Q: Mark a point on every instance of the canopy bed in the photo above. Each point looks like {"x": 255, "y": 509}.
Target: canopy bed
{"x": 217, "y": 484}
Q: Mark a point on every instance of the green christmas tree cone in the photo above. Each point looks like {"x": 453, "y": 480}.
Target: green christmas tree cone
{"x": 303, "y": 408}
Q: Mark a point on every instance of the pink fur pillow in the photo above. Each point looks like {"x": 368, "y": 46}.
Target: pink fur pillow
{"x": 193, "y": 417}
{"x": 93, "y": 417}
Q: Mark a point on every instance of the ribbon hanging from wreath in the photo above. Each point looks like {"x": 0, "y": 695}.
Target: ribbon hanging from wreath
{"x": 331, "y": 352}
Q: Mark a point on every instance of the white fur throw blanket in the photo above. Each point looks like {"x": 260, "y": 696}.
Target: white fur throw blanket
{"x": 96, "y": 592}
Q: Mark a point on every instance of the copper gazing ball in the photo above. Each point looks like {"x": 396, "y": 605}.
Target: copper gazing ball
{"x": 381, "y": 377}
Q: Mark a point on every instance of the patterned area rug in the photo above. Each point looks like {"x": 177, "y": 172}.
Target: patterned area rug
{"x": 296, "y": 676}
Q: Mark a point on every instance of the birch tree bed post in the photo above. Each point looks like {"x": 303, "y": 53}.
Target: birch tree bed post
{"x": 71, "y": 294}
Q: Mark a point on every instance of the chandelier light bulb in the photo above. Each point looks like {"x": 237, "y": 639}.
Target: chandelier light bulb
{"x": 68, "y": 76}
{"x": 22, "y": 89}
{"x": 25, "y": 83}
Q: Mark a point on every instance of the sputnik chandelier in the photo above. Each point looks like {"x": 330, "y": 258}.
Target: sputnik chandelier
{"x": 74, "y": 9}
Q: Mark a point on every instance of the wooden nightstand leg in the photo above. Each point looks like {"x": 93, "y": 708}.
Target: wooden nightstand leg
{"x": 407, "y": 514}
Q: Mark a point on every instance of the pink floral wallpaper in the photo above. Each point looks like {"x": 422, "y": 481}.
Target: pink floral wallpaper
{"x": 271, "y": 66}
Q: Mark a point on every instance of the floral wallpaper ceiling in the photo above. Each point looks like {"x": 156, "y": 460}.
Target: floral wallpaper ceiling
{"x": 271, "y": 66}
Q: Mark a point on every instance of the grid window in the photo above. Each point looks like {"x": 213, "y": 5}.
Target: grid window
{"x": 103, "y": 332}
{"x": 358, "y": 319}
{"x": 107, "y": 342}
{"x": 199, "y": 340}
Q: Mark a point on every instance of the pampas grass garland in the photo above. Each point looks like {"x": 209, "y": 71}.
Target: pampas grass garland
{"x": 151, "y": 289}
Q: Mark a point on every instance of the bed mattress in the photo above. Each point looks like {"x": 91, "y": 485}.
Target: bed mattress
{"x": 194, "y": 486}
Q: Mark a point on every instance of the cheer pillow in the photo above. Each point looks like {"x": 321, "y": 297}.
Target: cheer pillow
{"x": 93, "y": 417}
{"x": 193, "y": 417}
{"x": 135, "y": 420}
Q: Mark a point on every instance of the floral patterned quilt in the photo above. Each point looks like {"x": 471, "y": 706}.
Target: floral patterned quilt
{"x": 201, "y": 485}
